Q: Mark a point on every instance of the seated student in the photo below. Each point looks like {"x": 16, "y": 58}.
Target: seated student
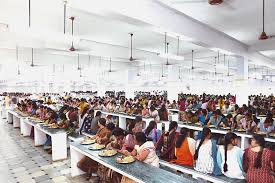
{"x": 247, "y": 122}
{"x": 258, "y": 162}
{"x": 226, "y": 108}
{"x": 215, "y": 119}
{"x": 163, "y": 113}
{"x": 185, "y": 149}
{"x": 86, "y": 126}
{"x": 117, "y": 139}
{"x": 154, "y": 114}
{"x": 102, "y": 137}
{"x": 138, "y": 124}
{"x": 145, "y": 111}
{"x": 203, "y": 117}
{"x": 230, "y": 157}
{"x": 228, "y": 122}
{"x": 166, "y": 143}
{"x": 144, "y": 151}
{"x": 104, "y": 132}
{"x": 51, "y": 120}
{"x": 63, "y": 123}
{"x": 267, "y": 126}
{"x": 206, "y": 154}
{"x": 94, "y": 123}
{"x": 116, "y": 142}
{"x": 128, "y": 141}
{"x": 152, "y": 132}
{"x": 83, "y": 115}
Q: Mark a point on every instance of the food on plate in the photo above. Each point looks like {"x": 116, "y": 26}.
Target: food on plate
{"x": 226, "y": 128}
{"x": 108, "y": 153}
{"x": 97, "y": 147}
{"x": 261, "y": 133}
{"x": 272, "y": 134}
{"x": 53, "y": 126}
{"x": 241, "y": 130}
{"x": 125, "y": 159}
{"x": 212, "y": 126}
{"x": 88, "y": 141}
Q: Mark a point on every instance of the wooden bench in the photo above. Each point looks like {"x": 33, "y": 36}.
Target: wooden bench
{"x": 198, "y": 175}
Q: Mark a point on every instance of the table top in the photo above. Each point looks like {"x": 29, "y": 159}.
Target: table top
{"x": 125, "y": 115}
{"x": 47, "y": 130}
{"x": 138, "y": 170}
{"x": 221, "y": 131}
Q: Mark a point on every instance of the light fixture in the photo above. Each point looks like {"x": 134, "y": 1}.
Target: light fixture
{"x": 222, "y": 51}
{"x": 170, "y": 56}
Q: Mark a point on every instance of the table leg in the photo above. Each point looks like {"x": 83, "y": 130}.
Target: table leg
{"x": 9, "y": 117}
{"x": 39, "y": 137}
{"x": 25, "y": 127}
{"x": 122, "y": 122}
{"x": 4, "y": 113}
{"x": 76, "y": 156}
{"x": 16, "y": 121}
{"x": 59, "y": 146}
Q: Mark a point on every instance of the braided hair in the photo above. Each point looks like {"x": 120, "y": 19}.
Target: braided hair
{"x": 261, "y": 142}
{"x": 227, "y": 140}
{"x": 205, "y": 132}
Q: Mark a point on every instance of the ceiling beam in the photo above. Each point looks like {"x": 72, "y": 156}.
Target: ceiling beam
{"x": 263, "y": 45}
{"x": 157, "y": 14}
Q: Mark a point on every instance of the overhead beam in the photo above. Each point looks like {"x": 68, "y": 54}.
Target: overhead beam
{"x": 263, "y": 45}
{"x": 157, "y": 14}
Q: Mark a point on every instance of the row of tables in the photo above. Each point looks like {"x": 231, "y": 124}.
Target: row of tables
{"x": 58, "y": 136}
{"x": 244, "y": 137}
{"x": 138, "y": 171}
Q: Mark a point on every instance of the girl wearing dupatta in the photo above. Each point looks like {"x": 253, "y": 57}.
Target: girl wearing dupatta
{"x": 185, "y": 149}
{"x": 166, "y": 143}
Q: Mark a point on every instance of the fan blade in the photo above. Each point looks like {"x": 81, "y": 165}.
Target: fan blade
{"x": 189, "y": 1}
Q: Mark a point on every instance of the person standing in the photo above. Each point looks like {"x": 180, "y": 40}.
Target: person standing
{"x": 259, "y": 162}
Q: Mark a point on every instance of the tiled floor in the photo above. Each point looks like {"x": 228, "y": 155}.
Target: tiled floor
{"x": 20, "y": 161}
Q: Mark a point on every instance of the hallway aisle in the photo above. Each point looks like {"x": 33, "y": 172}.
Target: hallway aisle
{"x": 21, "y": 162}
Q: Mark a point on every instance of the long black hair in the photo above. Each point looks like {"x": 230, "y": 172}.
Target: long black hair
{"x": 261, "y": 142}
{"x": 130, "y": 127}
{"x": 150, "y": 127}
{"x": 205, "y": 132}
{"x": 227, "y": 140}
{"x": 140, "y": 137}
{"x": 172, "y": 125}
{"x": 183, "y": 134}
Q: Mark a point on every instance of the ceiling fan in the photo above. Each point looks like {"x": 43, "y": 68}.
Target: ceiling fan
{"x": 263, "y": 35}
{"x": 110, "y": 66}
{"x": 131, "y": 48}
{"x": 17, "y": 60}
{"x": 78, "y": 63}
{"x": 211, "y": 2}
{"x": 32, "y": 62}
{"x": 72, "y": 48}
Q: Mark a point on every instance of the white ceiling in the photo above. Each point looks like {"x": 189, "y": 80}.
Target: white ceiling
{"x": 240, "y": 19}
{"x": 108, "y": 32}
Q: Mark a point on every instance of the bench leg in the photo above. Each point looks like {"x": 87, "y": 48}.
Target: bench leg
{"x": 39, "y": 137}
{"x": 122, "y": 122}
{"x": 76, "y": 156}
{"x": 25, "y": 128}
{"x": 16, "y": 122}
{"x": 59, "y": 146}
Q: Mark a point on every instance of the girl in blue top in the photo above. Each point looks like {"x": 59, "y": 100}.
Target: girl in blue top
{"x": 152, "y": 132}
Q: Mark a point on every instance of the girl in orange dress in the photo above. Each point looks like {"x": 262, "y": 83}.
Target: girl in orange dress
{"x": 185, "y": 149}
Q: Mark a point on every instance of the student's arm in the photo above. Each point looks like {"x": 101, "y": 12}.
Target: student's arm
{"x": 143, "y": 155}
